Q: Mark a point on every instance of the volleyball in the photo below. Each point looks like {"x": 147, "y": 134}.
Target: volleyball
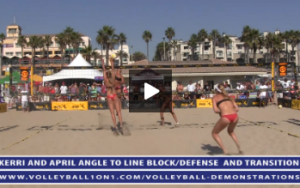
{"x": 279, "y": 106}
{"x": 113, "y": 56}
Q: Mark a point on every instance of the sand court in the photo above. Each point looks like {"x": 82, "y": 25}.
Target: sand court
{"x": 260, "y": 132}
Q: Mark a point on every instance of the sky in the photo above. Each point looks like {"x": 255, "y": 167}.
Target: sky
{"x": 133, "y": 17}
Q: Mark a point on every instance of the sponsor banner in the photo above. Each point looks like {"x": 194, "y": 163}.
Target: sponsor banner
{"x": 97, "y": 105}
{"x": 185, "y": 103}
{"x": 204, "y": 103}
{"x": 287, "y": 103}
{"x": 250, "y": 102}
{"x": 295, "y": 104}
{"x": 40, "y": 106}
{"x": 19, "y": 106}
{"x": 282, "y": 69}
{"x": 125, "y": 104}
{"x": 3, "y": 107}
{"x": 67, "y": 106}
{"x": 24, "y": 73}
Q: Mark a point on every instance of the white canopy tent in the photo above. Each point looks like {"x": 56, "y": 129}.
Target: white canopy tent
{"x": 79, "y": 61}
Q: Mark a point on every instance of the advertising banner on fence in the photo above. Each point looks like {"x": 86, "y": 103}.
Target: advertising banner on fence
{"x": 66, "y": 106}
{"x": 287, "y": 103}
{"x": 149, "y": 170}
{"x": 184, "y": 103}
{"x": 295, "y": 104}
{"x": 97, "y": 105}
{"x": 3, "y": 107}
{"x": 40, "y": 106}
{"x": 204, "y": 103}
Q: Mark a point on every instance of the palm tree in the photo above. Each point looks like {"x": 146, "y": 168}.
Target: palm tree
{"x": 48, "y": 43}
{"x": 226, "y": 41}
{"x": 96, "y": 55}
{"x": 122, "y": 53}
{"x": 294, "y": 39}
{"x": 160, "y": 48}
{"x": 138, "y": 56}
{"x": 2, "y": 37}
{"x": 253, "y": 42}
{"x": 147, "y": 36}
{"x": 202, "y": 36}
{"x": 173, "y": 45}
{"x": 100, "y": 42}
{"x": 41, "y": 45}
{"x": 34, "y": 43}
{"x": 214, "y": 35}
{"x": 274, "y": 45}
{"x": 122, "y": 40}
{"x": 68, "y": 37}
{"x": 192, "y": 43}
{"x": 286, "y": 38}
{"x": 246, "y": 38}
{"x": 61, "y": 40}
{"x": 107, "y": 36}
{"x": 88, "y": 52}
{"x": 76, "y": 40}
{"x": 169, "y": 33}
{"x": 22, "y": 42}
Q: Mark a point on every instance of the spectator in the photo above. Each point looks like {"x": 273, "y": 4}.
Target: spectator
{"x": 179, "y": 89}
{"x": 74, "y": 90}
{"x": 63, "y": 91}
{"x": 41, "y": 92}
{"x": 257, "y": 85}
{"x": 8, "y": 98}
{"x": 168, "y": 87}
{"x": 263, "y": 94}
{"x": 82, "y": 91}
{"x": 207, "y": 89}
{"x": 24, "y": 101}
{"x": 198, "y": 91}
{"x": 94, "y": 93}
{"x": 191, "y": 89}
{"x": 240, "y": 86}
{"x": 227, "y": 86}
{"x": 46, "y": 93}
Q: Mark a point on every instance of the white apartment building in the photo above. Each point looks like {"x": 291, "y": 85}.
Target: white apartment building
{"x": 235, "y": 51}
{"x": 12, "y": 50}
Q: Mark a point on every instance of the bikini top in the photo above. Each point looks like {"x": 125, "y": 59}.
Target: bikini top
{"x": 218, "y": 103}
{"x": 119, "y": 79}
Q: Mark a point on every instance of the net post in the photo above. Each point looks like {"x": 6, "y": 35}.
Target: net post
{"x": 31, "y": 81}
{"x": 295, "y": 75}
{"x": 273, "y": 76}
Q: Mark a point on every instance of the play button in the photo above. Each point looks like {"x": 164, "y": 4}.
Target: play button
{"x": 149, "y": 91}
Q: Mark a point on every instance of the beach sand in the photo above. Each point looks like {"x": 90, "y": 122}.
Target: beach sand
{"x": 261, "y": 131}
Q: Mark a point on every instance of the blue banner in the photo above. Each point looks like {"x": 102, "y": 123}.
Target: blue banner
{"x": 150, "y": 177}
{"x": 149, "y": 162}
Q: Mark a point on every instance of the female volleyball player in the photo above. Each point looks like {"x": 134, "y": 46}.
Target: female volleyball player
{"x": 111, "y": 93}
{"x": 119, "y": 80}
{"x": 167, "y": 103}
{"x": 227, "y": 108}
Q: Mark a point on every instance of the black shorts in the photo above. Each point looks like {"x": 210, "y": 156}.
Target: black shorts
{"x": 192, "y": 95}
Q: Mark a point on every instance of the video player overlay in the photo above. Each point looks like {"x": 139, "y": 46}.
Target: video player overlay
{"x": 160, "y": 80}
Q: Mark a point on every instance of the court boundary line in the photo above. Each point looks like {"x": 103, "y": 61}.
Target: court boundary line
{"x": 27, "y": 137}
{"x": 269, "y": 127}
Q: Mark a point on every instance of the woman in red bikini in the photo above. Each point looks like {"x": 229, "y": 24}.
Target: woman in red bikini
{"x": 227, "y": 108}
{"x": 119, "y": 80}
{"x": 112, "y": 99}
